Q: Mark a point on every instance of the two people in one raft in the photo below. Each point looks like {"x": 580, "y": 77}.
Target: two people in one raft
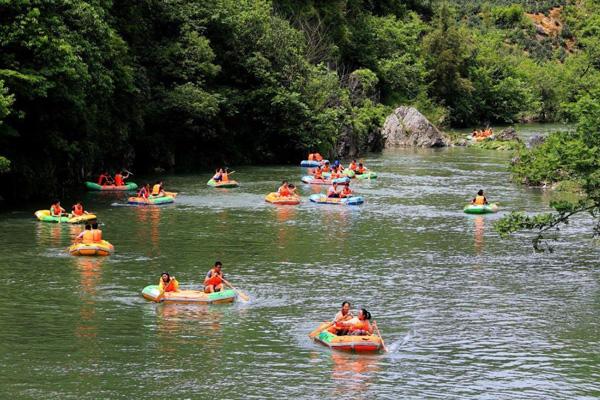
{"x": 344, "y": 323}
{"x": 213, "y": 281}
{"x": 222, "y": 175}
{"x": 106, "y": 179}
{"x": 77, "y": 210}
{"x": 157, "y": 190}
{"x": 286, "y": 189}
{"x": 90, "y": 234}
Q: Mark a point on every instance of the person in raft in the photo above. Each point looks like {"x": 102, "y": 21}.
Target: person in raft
{"x": 352, "y": 166}
{"x": 213, "y": 282}
{"x": 326, "y": 167}
{"x": 480, "y": 199}
{"x": 157, "y": 189}
{"x": 318, "y": 173}
{"x": 56, "y": 210}
{"x": 144, "y": 191}
{"x": 168, "y": 283}
{"x": 360, "y": 170}
{"x": 86, "y": 235}
{"x": 120, "y": 179}
{"x": 284, "y": 190}
{"x": 104, "y": 179}
{"x": 359, "y": 326}
{"x": 344, "y": 314}
{"x": 332, "y": 192}
{"x": 346, "y": 191}
{"x": 77, "y": 209}
{"x": 218, "y": 176}
{"x": 96, "y": 233}
{"x": 225, "y": 175}
{"x": 292, "y": 189}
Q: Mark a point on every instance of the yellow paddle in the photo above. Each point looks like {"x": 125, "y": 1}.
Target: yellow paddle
{"x": 380, "y": 337}
{"x": 319, "y": 330}
{"x": 242, "y": 295}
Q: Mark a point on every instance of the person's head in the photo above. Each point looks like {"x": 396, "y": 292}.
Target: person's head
{"x": 118, "y": 172}
{"x": 292, "y": 186}
{"x": 218, "y": 265}
{"x": 94, "y": 225}
{"x": 335, "y": 185}
{"x": 57, "y": 202}
{"x": 354, "y": 161}
{"x": 346, "y": 186}
{"x": 480, "y": 193}
{"x": 360, "y": 164}
{"x": 326, "y": 162}
{"x": 364, "y": 314}
{"x": 165, "y": 277}
{"x": 79, "y": 203}
{"x": 88, "y": 227}
{"x": 345, "y": 307}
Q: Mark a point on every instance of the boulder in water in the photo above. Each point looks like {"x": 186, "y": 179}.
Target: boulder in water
{"x": 508, "y": 134}
{"x": 407, "y": 127}
{"x": 535, "y": 141}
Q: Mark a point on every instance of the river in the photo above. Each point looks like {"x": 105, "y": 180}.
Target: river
{"x": 464, "y": 313}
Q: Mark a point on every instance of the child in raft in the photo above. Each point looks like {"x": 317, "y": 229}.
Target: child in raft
{"x": 168, "y": 283}
{"x": 480, "y": 199}
{"x": 360, "y": 170}
{"x": 77, "y": 209}
{"x": 213, "y": 282}
{"x": 292, "y": 189}
{"x": 358, "y": 326}
{"x": 56, "y": 210}
{"x": 346, "y": 191}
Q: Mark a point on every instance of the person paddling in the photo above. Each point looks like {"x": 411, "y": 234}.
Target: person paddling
{"x": 332, "y": 191}
{"x": 144, "y": 191}
{"x": 284, "y": 190}
{"x": 359, "y": 326}
{"x": 168, "y": 283}
{"x": 104, "y": 179}
{"x": 292, "y": 189}
{"x": 120, "y": 179}
{"x": 361, "y": 169}
{"x": 77, "y": 209}
{"x": 344, "y": 314}
{"x": 346, "y": 191}
{"x": 352, "y": 166}
{"x": 213, "y": 282}
{"x": 480, "y": 199}
{"x": 56, "y": 210}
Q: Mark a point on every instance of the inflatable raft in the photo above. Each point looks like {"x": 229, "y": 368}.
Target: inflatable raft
{"x": 312, "y": 181}
{"x": 275, "y": 198}
{"x": 348, "y": 201}
{"x": 102, "y": 248}
{"x": 153, "y": 293}
{"x": 45, "y": 216}
{"x": 358, "y": 344}
{"x": 485, "y": 209}
{"x": 152, "y": 200}
{"x": 312, "y": 163}
{"x": 111, "y": 188}
{"x": 349, "y": 173}
{"x": 366, "y": 175}
{"x": 228, "y": 184}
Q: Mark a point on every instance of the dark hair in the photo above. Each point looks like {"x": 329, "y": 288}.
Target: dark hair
{"x": 94, "y": 225}
{"x": 167, "y": 274}
{"x": 345, "y": 302}
{"x": 359, "y": 164}
{"x": 291, "y": 186}
{"x": 366, "y": 313}
{"x": 56, "y": 201}
{"x": 218, "y": 263}
{"x": 284, "y": 182}
{"x": 88, "y": 226}
{"x": 480, "y": 193}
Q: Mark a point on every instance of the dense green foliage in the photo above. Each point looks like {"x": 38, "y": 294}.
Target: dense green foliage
{"x": 182, "y": 85}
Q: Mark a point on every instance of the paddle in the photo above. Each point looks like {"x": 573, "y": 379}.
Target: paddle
{"x": 320, "y": 329}
{"x": 242, "y": 295}
{"x": 129, "y": 172}
{"x": 380, "y": 337}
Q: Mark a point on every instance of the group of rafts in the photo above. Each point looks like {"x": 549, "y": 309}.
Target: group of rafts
{"x": 345, "y": 332}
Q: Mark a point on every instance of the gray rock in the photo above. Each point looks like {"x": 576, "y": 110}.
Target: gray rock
{"x": 407, "y": 127}
{"x": 535, "y": 141}
{"x": 508, "y": 134}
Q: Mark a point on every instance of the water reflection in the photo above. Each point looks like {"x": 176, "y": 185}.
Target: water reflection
{"x": 90, "y": 272}
{"x": 180, "y": 323}
{"x": 148, "y": 226}
{"x": 353, "y": 374}
{"x": 48, "y": 234}
{"x": 479, "y": 222}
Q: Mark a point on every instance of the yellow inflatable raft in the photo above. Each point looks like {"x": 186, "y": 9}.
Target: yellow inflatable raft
{"x": 45, "y": 216}
{"x": 275, "y": 198}
{"x": 102, "y": 248}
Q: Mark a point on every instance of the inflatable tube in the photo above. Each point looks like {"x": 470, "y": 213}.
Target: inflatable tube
{"x": 349, "y": 173}
{"x": 142, "y": 201}
{"x": 348, "y": 201}
{"x": 485, "y": 209}
{"x": 45, "y": 216}
{"x": 153, "y": 293}
{"x": 312, "y": 181}
{"x": 228, "y": 184}
{"x": 111, "y": 188}
{"x": 102, "y": 248}
{"x": 275, "y": 198}
{"x": 312, "y": 163}
{"x": 357, "y": 344}
{"x": 366, "y": 175}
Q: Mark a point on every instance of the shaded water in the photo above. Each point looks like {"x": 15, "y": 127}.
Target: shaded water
{"x": 464, "y": 313}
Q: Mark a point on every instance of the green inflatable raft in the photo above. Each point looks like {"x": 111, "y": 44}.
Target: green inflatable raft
{"x": 153, "y": 293}
{"x": 111, "y": 188}
{"x": 228, "y": 184}
{"x": 366, "y": 175}
{"x": 485, "y": 209}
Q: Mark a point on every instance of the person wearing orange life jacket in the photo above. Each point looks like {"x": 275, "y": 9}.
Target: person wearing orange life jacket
{"x": 361, "y": 169}
{"x": 157, "y": 189}
{"x": 284, "y": 190}
{"x": 213, "y": 282}
{"x": 120, "y": 179}
{"x": 96, "y": 233}
{"x": 225, "y": 176}
{"x": 104, "y": 179}
{"x": 332, "y": 191}
{"x": 352, "y": 165}
{"x": 292, "y": 189}
{"x": 326, "y": 167}
{"x": 86, "y": 236}
{"x": 78, "y": 209}
{"x": 318, "y": 173}
{"x": 480, "y": 199}
{"x": 359, "y": 326}
{"x": 346, "y": 191}
{"x": 56, "y": 210}
{"x": 168, "y": 283}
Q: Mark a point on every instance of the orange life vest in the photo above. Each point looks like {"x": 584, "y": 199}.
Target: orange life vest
{"x": 78, "y": 209}
{"x": 346, "y": 192}
{"x": 96, "y": 235}
{"x": 119, "y": 180}
{"x": 225, "y": 177}
{"x": 479, "y": 200}
{"x": 55, "y": 209}
{"x": 361, "y": 170}
{"x": 284, "y": 191}
{"x": 88, "y": 236}
{"x": 360, "y": 326}
{"x": 352, "y": 166}
{"x": 172, "y": 286}
{"x": 215, "y": 279}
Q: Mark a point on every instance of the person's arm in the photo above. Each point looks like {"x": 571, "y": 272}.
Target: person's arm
{"x": 485, "y": 200}
{"x": 207, "y": 277}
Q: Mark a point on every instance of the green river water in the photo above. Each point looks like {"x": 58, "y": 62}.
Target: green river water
{"x": 464, "y": 313}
